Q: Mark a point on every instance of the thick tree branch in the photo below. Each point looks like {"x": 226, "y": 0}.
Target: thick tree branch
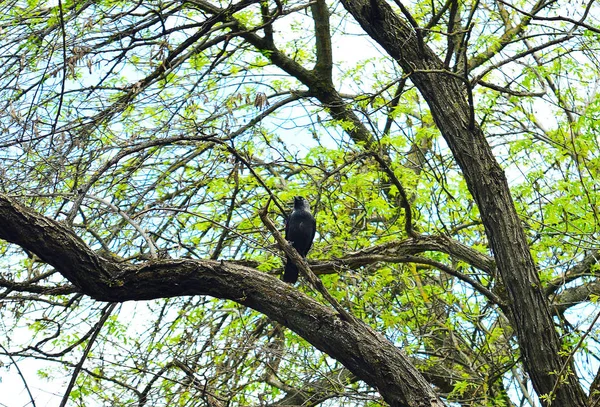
{"x": 367, "y": 354}
{"x": 324, "y": 64}
{"x": 575, "y": 295}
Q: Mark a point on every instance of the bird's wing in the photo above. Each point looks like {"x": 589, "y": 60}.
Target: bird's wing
{"x": 287, "y": 225}
{"x": 313, "y": 224}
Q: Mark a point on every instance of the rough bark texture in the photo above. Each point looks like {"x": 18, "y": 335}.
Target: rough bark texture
{"x": 363, "y": 351}
{"x": 445, "y": 95}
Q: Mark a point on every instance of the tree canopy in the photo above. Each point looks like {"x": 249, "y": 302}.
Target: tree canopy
{"x": 150, "y": 152}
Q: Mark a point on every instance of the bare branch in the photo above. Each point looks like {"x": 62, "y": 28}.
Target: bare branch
{"x": 105, "y": 314}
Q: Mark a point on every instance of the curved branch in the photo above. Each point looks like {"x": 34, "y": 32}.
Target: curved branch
{"x": 315, "y": 80}
{"x": 408, "y": 226}
{"x": 318, "y": 391}
{"x": 398, "y": 248}
{"x": 134, "y": 224}
{"x": 579, "y": 270}
{"x": 448, "y": 270}
{"x": 367, "y": 354}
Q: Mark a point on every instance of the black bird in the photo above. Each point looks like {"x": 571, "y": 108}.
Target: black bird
{"x": 300, "y": 229}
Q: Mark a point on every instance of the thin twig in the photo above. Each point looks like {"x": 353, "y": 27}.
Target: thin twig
{"x": 233, "y": 151}
{"x": 136, "y": 226}
{"x": 14, "y": 362}
{"x": 106, "y": 313}
{"x": 64, "y": 73}
{"x": 566, "y": 364}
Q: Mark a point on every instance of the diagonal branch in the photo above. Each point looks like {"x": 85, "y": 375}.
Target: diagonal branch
{"x": 20, "y": 373}
{"x": 303, "y": 266}
{"x": 105, "y": 314}
{"x": 506, "y": 38}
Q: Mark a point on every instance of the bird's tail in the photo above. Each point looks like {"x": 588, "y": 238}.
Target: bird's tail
{"x": 290, "y": 273}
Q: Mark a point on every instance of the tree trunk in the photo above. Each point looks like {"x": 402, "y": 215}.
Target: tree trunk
{"x": 445, "y": 93}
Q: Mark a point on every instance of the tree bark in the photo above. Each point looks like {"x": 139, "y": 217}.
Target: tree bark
{"x": 445, "y": 94}
{"x": 366, "y": 353}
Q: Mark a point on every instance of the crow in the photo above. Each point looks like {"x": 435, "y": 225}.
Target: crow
{"x": 300, "y": 229}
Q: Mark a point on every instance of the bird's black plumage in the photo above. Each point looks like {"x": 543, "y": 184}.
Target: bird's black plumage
{"x": 300, "y": 231}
